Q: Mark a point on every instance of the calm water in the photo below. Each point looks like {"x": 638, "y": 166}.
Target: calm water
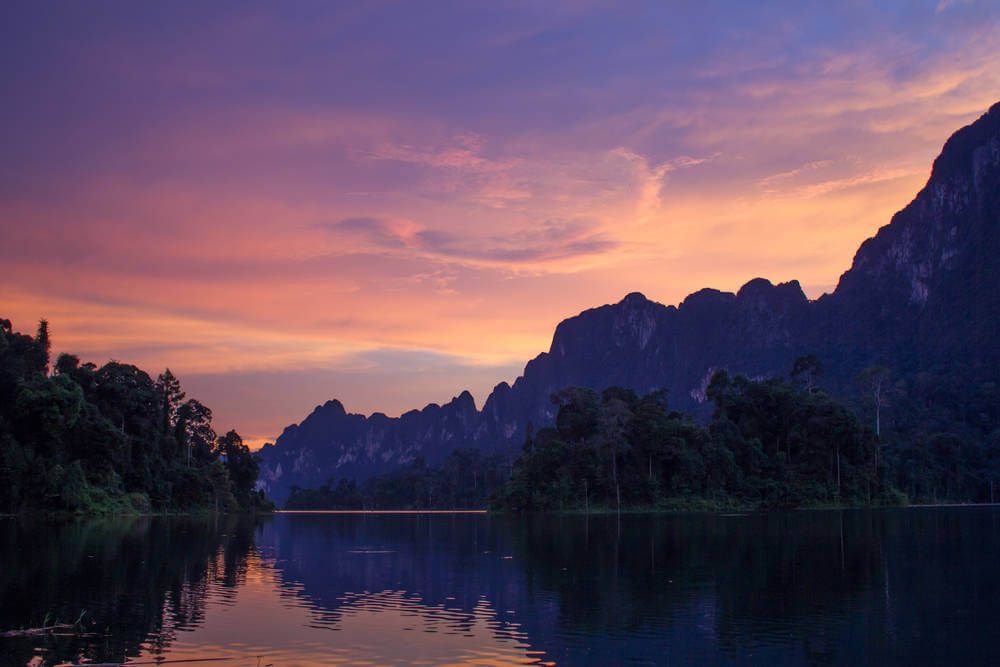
{"x": 914, "y": 586}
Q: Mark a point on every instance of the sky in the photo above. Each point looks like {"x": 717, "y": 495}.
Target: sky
{"x": 388, "y": 203}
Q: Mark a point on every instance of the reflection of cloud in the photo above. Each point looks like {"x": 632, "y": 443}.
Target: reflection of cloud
{"x": 278, "y": 623}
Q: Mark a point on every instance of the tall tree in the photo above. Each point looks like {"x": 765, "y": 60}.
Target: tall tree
{"x": 806, "y": 371}
{"x": 874, "y": 382}
{"x": 615, "y": 415}
{"x": 43, "y": 342}
{"x": 193, "y": 430}
{"x": 171, "y": 396}
{"x": 241, "y": 465}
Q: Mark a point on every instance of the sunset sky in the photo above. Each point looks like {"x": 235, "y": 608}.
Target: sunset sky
{"x": 387, "y": 203}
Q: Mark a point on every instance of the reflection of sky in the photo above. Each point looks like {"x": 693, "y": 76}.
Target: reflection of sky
{"x": 388, "y": 204}
{"x": 820, "y": 587}
{"x": 380, "y": 628}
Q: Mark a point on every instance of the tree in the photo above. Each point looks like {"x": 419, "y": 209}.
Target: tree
{"x": 193, "y": 430}
{"x": 614, "y": 416}
{"x": 241, "y": 465}
{"x": 67, "y": 364}
{"x": 806, "y": 371}
{"x": 43, "y": 342}
{"x": 108, "y": 439}
{"x": 170, "y": 396}
{"x": 874, "y": 381}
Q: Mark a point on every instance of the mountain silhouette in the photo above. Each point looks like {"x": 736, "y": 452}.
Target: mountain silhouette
{"x": 924, "y": 291}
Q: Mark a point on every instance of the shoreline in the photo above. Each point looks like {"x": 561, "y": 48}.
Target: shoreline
{"x": 595, "y": 511}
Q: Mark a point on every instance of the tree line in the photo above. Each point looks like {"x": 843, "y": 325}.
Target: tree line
{"x": 932, "y": 436}
{"x": 777, "y": 442}
{"x": 939, "y": 430}
{"x": 769, "y": 444}
{"x": 465, "y": 479}
{"x": 81, "y": 438}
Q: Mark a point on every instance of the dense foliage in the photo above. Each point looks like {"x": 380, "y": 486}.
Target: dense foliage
{"x": 940, "y": 430}
{"x": 82, "y": 438}
{"x": 466, "y": 479}
{"x": 769, "y": 443}
{"x": 928, "y": 437}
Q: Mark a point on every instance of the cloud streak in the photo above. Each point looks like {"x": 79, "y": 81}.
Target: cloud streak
{"x": 296, "y": 190}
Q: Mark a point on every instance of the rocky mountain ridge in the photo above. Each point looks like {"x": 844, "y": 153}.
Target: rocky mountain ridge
{"x": 924, "y": 290}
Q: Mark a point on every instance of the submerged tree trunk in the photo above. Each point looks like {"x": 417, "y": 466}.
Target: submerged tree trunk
{"x": 614, "y": 474}
{"x": 838, "y": 472}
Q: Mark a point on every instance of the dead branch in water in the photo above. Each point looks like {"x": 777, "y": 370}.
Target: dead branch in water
{"x": 27, "y": 632}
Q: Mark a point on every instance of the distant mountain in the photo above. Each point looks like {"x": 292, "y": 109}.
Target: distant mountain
{"x": 924, "y": 291}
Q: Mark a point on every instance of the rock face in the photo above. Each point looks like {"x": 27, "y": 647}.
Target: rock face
{"x": 924, "y": 290}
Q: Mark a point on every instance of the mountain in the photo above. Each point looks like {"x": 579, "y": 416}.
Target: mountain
{"x": 924, "y": 291}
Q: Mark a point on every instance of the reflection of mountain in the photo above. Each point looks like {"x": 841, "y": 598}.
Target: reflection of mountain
{"x": 451, "y": 561}
{"x": 867, "y": 587}
{"x": 139, "y": 580}
{"x": 395, "y": 628}
{"x": 793, "y": 588}
{"x": 924, "y": 291}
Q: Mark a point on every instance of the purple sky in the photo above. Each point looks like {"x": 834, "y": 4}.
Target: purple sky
{"x": 388, "y": 202}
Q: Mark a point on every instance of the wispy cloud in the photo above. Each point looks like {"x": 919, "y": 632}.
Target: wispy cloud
{"x": 283, "y": 193}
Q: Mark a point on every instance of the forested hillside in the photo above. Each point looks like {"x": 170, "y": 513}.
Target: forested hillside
{"x": 770, "y": 443}
{"x": 75, "y": 437}
{"x": 775, "y": 442}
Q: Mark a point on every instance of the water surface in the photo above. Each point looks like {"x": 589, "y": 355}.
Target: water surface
{"x": 898, "y": 586}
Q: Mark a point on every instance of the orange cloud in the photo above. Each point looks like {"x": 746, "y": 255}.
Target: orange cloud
{"x": 256, "y": 225}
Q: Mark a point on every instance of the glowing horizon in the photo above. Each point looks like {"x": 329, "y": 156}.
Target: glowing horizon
{"x": 388, "y": 204}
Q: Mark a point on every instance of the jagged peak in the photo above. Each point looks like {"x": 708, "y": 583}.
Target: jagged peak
{"x": 332, "y": 406}
{"x": 957, "y": 154}
{"x": 634, "y": 298}
{"x": 606, "y": 344}
{"x": 464, "y": 400}
{"x": 762, "y": 287}
{"x": 707, "y": 295}
{"x": 928, "y": 223}
{"x": 754, "y": 286}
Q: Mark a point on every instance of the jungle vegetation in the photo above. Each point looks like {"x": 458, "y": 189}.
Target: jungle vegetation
{"x": 75, "y": 437}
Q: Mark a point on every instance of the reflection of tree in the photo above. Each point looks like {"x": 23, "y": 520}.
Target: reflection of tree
{"x": 750, "y": 578}
{"x": 139, "y": 580}
{"x": 844, "y": 587}
{"x": 908, "y": 586}
{"x": 786, "y": 577}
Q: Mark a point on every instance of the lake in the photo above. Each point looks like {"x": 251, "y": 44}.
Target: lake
{"x": 892, "y": 586}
